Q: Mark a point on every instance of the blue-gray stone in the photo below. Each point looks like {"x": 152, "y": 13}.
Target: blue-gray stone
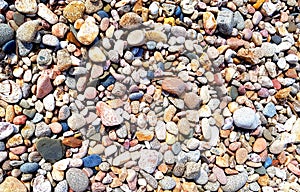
{"x": 24, "y": 48}
{"x": 269, "y": 110}
{"x": 167, "y": 183}
{"x": 29, "y": 167}
{"x": 151, "y": 45}
{"x": 235, "y": 182}
{"x": 6, "y": 34}
{"x": 102, "y": 14}
{"x": 136, "y": 96}
{"x": 92, "y": 160}
{"x": 225, "y": 21}
{"x": 51, "y": 149}
{"x": 9, "y": 47}
{"x": 108, "y": 81}
{"x": 238, "y": 20}
{"x": 3, "y": 4}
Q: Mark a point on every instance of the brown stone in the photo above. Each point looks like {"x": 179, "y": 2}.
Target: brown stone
{"x": 130, "y": 20}
{"x": 44, "y": 86}
{"x": 293, "y": 169}
{"x": 248, "y": 55}
{"x": 283, "y": 93}
{"x": 263, "y": 180}
{"x": 72, "y": 142}
{"x": 259, "y": 145}
{"x": 144, "y": 135}
{"x": 241, "y": 156}
{"x": 173, "y": 85}
{"x": 12, "y": 184}
{"x": 281, "y": 157}
{"x": 74, "y": 11}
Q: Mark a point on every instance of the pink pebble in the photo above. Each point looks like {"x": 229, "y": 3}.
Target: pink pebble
{"x": 55, "y": 127}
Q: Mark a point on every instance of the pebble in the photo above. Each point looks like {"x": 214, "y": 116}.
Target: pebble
{"x": 225, "y": 21}
{"x": 77, "y": 180}
{"x": 7, "y": 33}
{"x": 50, "y": 149}
{"x": 27, "y": 31}
{"x": 167, "y": 183}
{"x": 47, "y": 14}
{"x": 108, "y": 116}
{"x": 136, "y": 38}
{"x": 26, "y": 6}
{"x": 259, "y": 145}
{"x": 235, "y": 182}
{"x": 6, "y": 129}
{"x": 12, "y": 184}
{"x": 269, "y": 110}
{"x": 76, "y": 121}
{"x": 92, "y": 160}
{"x": 29, "y": 167}
{"x": 148, "y": 160}
{"x": 130, "y": 20}
{"x": 88, "y": 32}
{"x": 74, "y": 10}
{"x": 174, "y": 86}
{"x": 246, "y": 118}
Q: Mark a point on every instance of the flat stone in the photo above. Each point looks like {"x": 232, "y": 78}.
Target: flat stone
{"x": 7, "y": 33}
{"x": 88, "y": 31}
{"x": 44, "y": 86}
{"x": 12, "y": 184}
{"x": 29, "y": 167}
{"x": 27, "y": 31}
{"x": 148, "y": 160}
{"x": 26, "y": 6}
{"x": 96, "y": 55}
{"x": 6, "y": 129}
{"x": 259, "y": 145}
{"x": 136, "y": 38}
{"x": 167, "y": 183}
{"x": 45, "y": 13}
{"x": 50, "y": 149}
{"x": 74, "y": 11}
{"x": 246, "y": 118}
{"x": 76, "y": 121}
{"x": 241, "y": 155}
{"x": 72, "y": 142}
{"x": 108, "y": 116}
{"x": 64, "y": 61}
{"x": 130, "y": 20}
{"x": 174, "y": 86}
{"x": 77, "y": 180}
{"x": 235, "y": 182}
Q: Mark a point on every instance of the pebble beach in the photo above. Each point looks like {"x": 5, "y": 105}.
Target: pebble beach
{"x": 145, "y": 95}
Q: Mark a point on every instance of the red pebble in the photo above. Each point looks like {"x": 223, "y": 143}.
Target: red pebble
{"x": 20, "y": 120}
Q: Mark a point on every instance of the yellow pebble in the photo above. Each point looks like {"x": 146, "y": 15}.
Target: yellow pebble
{"x": 258, "y": 4}
{"x": 170, "y": 21}
{"x": 107, "y": 8}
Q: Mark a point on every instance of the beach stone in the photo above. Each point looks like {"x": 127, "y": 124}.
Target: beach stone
{"x": 61, "y": 186}
{"x": 259, "y": 145}
{"x": 167, "y": 183}
{"x": 246, "y": 118}
{"x": 174, "y": 86}
{"x": 50, "y": 149}
{"x": 59, "y": 30}
{"x": 50, "y": 40}
{"x": 225, "y": 21}
{"x": 44, "y": 86}
{"x": 209, "y": 23}
{"x": 76, "y": 121}
{"x": 269, "y": 110}
{"x": 26, "y": 6}
{"x": 12, "y": 184}
{"x": 150, "y": 179}
{"x": 130, "y": 20}
{"x": 96, "y": 54}
{"x": 157, "y": 36}
{"x": 92, "y": 6}
{"x": 277, "y": 147}
{"x": 27, "y": 31}
{"x": 108, "y": 116}
{"x": 77, "y": 180}
{"x": 235, "y": 182}
{"x": 88, "y": 31}
{"x": 44, "y": 57}
{"x": 136, "y": 38}
{"x": 29, "y": 167}
{"x": 148, "y": 160}
{"x": 49, "y": 102}
{"x": 241, "y": 155}
{"x": 74, "y": 11}
{"x": 192, "y": 170}
{"x": 45, "y": 13}
{"x": 7, "y": 33}
{"x": 121, "y": 159}
{"x": 6, "y": 129}
{"x": 192, "y": 100}
{"x": 91, "y": 160}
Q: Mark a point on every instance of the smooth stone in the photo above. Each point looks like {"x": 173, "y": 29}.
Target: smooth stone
{"x": 50, "y": 149}
{"x": 235, "y": 182}
{"x": 77, "y": 180}
{"x": 45, "y": 13}
{"x": 269, "y": 110}
{"x": 49, "y": 102}
{"x": 44, "y": 57}
{"x": 130, "y": 20}
{"x": 27, "y": 31}
{"x": 167, "y": 183}
{"x": 92, "y": 160}
{"x": 246, "y": 118}
{"x": 12, "y": 184}
{"x": 225, "y": 21}
{"x": 6, "y": 129}
{"x": 74, "y": 11}
{"x": 50, "y": 40}
{"x": 76, "y": 121}
{"x": 26, "y": 6}
{"x": 108, "y": 116}
{"x": 149, "y": 160}
{"x": 136, "y": 38}
{"x": 88, "y": 31}
{"x": 96, "y": 55}
{"x": 174, "y": 86}
{"x": 29, "y": 167}
{"x": 44, "y": 86}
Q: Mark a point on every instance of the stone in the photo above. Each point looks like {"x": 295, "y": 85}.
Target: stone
{"x": 192, "y": 170}
{"x": 44, "y": 57}
{"x": 225, "y": 21}
{"x": 44, "y": 86}
{"x": 130, "y": 20}
{"x": 108, "y": 116}
{"x": 241, "y": 155}
{"x": 45, "y": 13}
{"x": 12, "y": 184}
{"x": 77, "y": 180}
{"x": 7, "y": 33}
{"x": 59, "y": 30}
{"x": 136, "y": 38}
{"x": 49, "y": 102}
{"x": 26, "y": 6}
{"x": 50, "y": 149}
{"x": 174, "y": 86}
{"x": 149, "y": 160}
{"x": 27, "y": 31}
{"x": 92, "y": 6}
{"x": 235, "y": 182}
{"x": 277, "y": 147}
{"x": 220, "y": 174}
{"x": 64, "y": 112}
{"x": 72, "y": 142}
{"x": 6, "y": 129}
{"x": 42, "y": 130}
{"x": 121, "y": 159}
{"x": 10, "y": 91}
{"x": 269, "y": 110}
{"x": 157, "y": 36}
{"x": 91, "y": 160}
{"x": 96, "y": 54}
{"x": 246, "y": 118}
{"x": 192, "y": 100}
{"x": 209, "y": 23}
{"x": 74, "y": 11}
{"x": 76, "y": 121}
{"x": 167, "y": 183}
{"x": 29, "y": 167}
{"x": 88, "y": 31}
{"x": 259, "y": 145}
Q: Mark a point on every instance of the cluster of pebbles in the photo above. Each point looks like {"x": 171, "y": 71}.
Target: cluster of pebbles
{"x": 138, "y": 95}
